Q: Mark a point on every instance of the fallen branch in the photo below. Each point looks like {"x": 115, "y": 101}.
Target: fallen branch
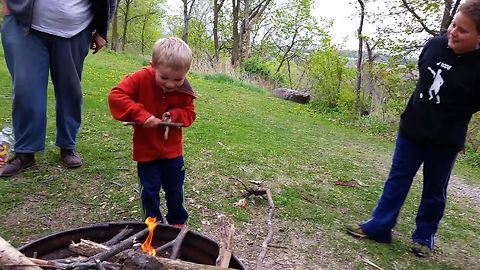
{"x": 268, "y": 239}
{"x": 10, "y": 256}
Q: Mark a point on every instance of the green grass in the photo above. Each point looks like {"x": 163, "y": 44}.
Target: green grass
{"x": 241, "y": 133}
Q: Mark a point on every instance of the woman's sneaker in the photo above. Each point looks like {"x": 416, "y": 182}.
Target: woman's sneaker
{"x": 420, "y": 250}
{"x": 356, "y": 230}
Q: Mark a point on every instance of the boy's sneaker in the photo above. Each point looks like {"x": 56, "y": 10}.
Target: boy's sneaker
{"x": 420, "y": 250}
{"x": 356, "y": 230}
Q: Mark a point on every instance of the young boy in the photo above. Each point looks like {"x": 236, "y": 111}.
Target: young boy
{"x": 432, "y": 131}
{"x": 150, "y": 97}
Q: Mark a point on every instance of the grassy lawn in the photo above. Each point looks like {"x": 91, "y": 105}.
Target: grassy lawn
{"x": 241, "y": 134}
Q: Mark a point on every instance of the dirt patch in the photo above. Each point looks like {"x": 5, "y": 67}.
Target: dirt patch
{"x": 290, "y": 248}
{"x": 460, "y": 189}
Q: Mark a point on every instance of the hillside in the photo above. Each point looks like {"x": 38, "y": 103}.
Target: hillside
{"x": 242, "y": 134}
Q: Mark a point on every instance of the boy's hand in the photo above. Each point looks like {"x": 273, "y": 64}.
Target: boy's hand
{"x": 152, "y": 121}
{"x": 166, "y": 116}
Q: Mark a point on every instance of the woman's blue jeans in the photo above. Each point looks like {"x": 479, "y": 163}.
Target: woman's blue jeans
{"x": 407, "y": 158}
{"x": 30, "y": 57}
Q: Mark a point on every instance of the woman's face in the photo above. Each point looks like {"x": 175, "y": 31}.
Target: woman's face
{"x": 462, "y": 34}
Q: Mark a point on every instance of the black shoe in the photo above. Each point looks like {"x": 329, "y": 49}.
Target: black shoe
{"x": 18, "y": 163}
{"x": 70, "y": 158}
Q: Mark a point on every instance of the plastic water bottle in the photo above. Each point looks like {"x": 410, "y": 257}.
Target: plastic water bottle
{"x": 6, "y": 145}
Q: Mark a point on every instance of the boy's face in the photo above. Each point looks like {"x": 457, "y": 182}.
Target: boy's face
{"x": 462, "y": 34}
{"x": 169, "y": 79}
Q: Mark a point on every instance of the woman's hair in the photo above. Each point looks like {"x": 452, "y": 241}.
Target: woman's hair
{"x": 172, "y": 52}
{"x": 471, "y": 8}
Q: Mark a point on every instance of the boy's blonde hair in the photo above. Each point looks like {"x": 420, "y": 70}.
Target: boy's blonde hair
{"x": 172, "y": 52}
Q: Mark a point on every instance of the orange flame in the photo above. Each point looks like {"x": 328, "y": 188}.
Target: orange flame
{"x": 147, "y": 245}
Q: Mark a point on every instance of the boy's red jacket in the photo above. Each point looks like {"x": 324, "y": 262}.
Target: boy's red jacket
{"x": 136, "y": 98}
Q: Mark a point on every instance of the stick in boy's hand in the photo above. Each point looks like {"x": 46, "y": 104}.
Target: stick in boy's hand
{"x": 166, "y": 117}
{"x": 170, "y": 124}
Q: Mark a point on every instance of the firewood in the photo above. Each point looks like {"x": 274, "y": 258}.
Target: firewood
{"x": 119, "y": 237}
{"x": 178, "y": 243}
{"x": 147, "y": 262}
{"x": 11, "y": 258}
{"x": 112, "y": 251}
{"x": 87, "y": 248}
{"x": 226, "y": 244}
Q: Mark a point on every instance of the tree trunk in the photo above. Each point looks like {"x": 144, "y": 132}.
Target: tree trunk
{"x": 114, "y": 46}
{"x": 247, "y": 28}
{"x": 358, "y": 106}
{"x": 236, "y": 36}
{"x": 217, "y": 6}
{"x": 185, "y": 21}
{"x": 125, "y": 23}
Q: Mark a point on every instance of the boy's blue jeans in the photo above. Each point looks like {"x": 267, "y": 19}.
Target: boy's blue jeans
{"x": 168, "y": 174}
{"x": 407, "y": 158}
{"x": 29, "y": 59}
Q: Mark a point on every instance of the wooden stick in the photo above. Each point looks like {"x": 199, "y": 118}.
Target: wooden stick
{"x": 371, "y": 263}
{"x": 168, "y": 124}
{"x": 48, "y": 264}
{"x": 271, "y": 212}
{"x": 10, "y": 256}
{"x": 119, "y": 237}
{"x": 226, "y": 244}
{"x": 178, "y": 243}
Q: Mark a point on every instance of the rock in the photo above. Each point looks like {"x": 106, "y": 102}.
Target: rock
{"x": 292, "y": 95}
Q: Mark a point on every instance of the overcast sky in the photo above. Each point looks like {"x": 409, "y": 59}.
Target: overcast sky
{"x": 343, "y": 13}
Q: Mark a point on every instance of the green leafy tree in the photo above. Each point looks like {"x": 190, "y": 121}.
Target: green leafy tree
{"x": 329, "y": 75}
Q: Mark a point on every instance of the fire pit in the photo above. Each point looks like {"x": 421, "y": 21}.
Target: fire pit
{"x": 195, "y": 247}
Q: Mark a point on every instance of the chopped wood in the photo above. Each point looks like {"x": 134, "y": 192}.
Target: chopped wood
{"x": 145, "y": 261}
{"x": 10, "y": 256}
{"x": 226, "y": 244}
{"x": 87, "y": 248}
{"x": 268, "y": 239}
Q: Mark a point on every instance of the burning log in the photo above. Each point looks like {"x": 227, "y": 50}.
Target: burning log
{"x": 11, "y": 258}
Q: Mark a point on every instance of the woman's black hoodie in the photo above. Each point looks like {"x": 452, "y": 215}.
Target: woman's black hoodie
{"x": 446, "y": 96}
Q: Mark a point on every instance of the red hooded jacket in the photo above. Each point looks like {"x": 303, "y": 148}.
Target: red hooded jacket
{"x": 136, "y": 98}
